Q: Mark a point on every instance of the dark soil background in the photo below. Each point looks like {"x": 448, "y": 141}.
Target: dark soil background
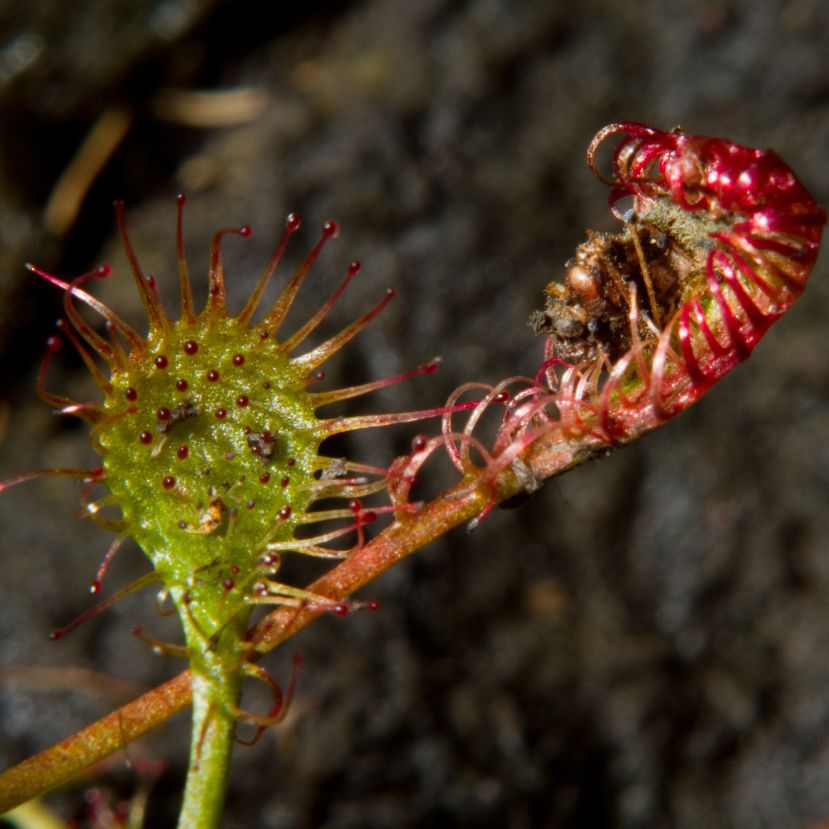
{"x": 643, "y": 644}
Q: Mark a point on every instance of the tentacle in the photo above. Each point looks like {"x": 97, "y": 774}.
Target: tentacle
{"x": 216, "y": 299}
{"x": 309, "y": 361}
{"x": 295, "y": 339}
{"x": 137, "y": 343}
{"x": 338, "y": 425}
{"x": 97, "y": 375}
{"x": 159, "y": 647}
{"x": 281, "y": 704}
{"x": 276, "y": 315}
{"x": 337, "y": 395}
{"x": 86, "y": 475}
{"x": 100, "y": 607}
{"x": 188, "y": 311}
{"x": 91, "y": 412}
{"x": 95, "y": 587}
{"x": 159, "y": 322}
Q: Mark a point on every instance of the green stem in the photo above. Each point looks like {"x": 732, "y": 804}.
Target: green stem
{"x": 216, "y": 669}
{"x": 210, "y": 749}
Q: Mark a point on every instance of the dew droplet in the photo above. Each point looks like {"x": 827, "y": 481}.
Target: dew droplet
{"x": 146, "y": 437}
{"x": 169, "y": 482}
{"x": 212, "y": 375}
{"x": 181, "y": 385}
{"x": 183, "y": 451}
{"x": 131, "y": 394}
{"x": 264, "y": 478}
{"x": 242, "y": 400}
{"x": 190, "y": 347}
{"x": 221, "y": 413}
{"x": 238, "y": 359}
{"x": 161, "y": 361}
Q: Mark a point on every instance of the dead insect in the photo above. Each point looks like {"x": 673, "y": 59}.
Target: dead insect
{"x": 262, "y": 444}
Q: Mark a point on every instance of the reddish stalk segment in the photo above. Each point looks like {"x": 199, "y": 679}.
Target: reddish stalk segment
{"x": 188, "y": 311}
{"x": 295, "y": 339}
{"x": 100, "y": 607}
{"x": 337, "y": 425}
{"x": 136, "y": 343}
{"x": 292, "y": 225}
{"x": 216, "y": 296}
{"x": 159, "y": 323}
{"x": 308, "y": 362}
{"x": 86, "y": 475}
{"x": 337, "y": 395}
{"x": 276, "y": 315}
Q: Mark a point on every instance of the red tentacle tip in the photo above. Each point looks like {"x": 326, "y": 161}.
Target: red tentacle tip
{"x": 354, "y": 268}
{"x": 331, "y": 229}
{"x": 181, "y": 199}
{"x": 293, "y": 222}
{"x": 245, "y": 231}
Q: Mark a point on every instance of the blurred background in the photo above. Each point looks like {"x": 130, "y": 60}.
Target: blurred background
{"x": 646, "y": 641}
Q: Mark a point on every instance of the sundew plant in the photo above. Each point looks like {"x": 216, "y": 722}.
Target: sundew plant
{"x": 210, "y": 430}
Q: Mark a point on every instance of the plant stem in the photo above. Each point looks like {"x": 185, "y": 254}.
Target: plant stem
{"x": 216, "y": 681}
{"x": 455, "y": 506}
{"x": 210, "y": 749}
